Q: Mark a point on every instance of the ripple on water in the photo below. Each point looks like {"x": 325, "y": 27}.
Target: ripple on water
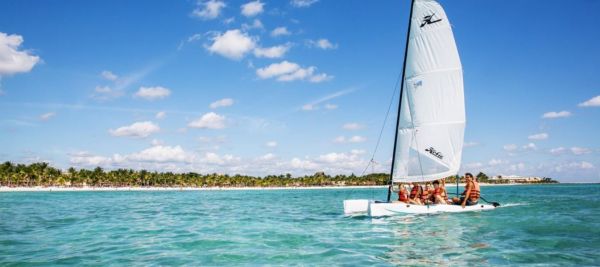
{"x": 294, "y": 227}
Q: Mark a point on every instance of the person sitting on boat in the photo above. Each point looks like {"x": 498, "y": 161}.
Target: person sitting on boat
{"x": 439, "y": 195}
{"x": 427, "y": 194}
{"x": 402, "y": 194}
{"x": 471, "y": 194}
{"x": 415, "y": 194}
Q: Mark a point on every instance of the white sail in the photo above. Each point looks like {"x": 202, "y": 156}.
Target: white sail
{"x": 432, "y": 115}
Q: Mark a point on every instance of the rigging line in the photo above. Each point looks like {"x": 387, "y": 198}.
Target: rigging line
{"x": 387, "y": 113}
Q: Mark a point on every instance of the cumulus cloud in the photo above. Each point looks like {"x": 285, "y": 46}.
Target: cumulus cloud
{"x": 302, "y": 3}
{"x": 280, "y": 31}
{"x": 253, "y": 8}
{"x": 256, "y": 24}
{"x": 138, "y": 129}
{"x": 494, "y": 162}
{"x": 208, "y": 9}
{"x": 555, "y": 115}
{"x": 272, "y": 52}
{"x": 540, "y": 136}
{"x": 161, "y": 153}
{"x": 225, "y": 102}
{"x": 47, "y": 116}
{"x": 309, "y": 107}
{"x": 271, "y": 144}
{"x": 353, "y": 126}
{"x": 570, "y": 166}
{"x": 558, "y": 150}
{"x": 160, "y": 115}
{"x": 288, "y": 71}
{"x": 232, "y": 44}
{"x": 213, "y": 158}
{"x": 86, "y": 159}
{"x": 209, "y": 120}
{"x": 580, "y": 150}
{"x": 152, "y": 93}
{"x": 592, "y": 102}
{"x": 108, "y": 75}
{"x": 322, "y": 44}
{"x": 13, "y": 60}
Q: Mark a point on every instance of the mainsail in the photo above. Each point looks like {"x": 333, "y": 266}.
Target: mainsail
{"x": 432, "y": 109}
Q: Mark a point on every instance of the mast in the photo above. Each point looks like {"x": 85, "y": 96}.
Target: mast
{"x": 412, "y": 4}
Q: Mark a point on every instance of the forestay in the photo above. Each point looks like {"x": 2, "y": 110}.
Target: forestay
{"x": 432, "y": 114}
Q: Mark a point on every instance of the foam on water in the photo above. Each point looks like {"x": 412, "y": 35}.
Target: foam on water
{"x": 546, "y": 225}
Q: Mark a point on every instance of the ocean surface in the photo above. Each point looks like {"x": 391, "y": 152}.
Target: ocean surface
{"x": 549, "y": 225}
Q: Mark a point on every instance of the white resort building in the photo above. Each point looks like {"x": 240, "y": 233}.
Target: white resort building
{"x": 516, "y": 178}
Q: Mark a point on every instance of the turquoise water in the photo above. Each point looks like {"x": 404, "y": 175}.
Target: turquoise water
{"x": 544, "y": 224}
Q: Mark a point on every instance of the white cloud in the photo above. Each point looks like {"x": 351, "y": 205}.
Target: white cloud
{"x": 109, "y": 75}
{"x": 267, "y": 157}
{"x": 517, "y": 167}
{"x": 279, "y": 31}
{"x": 47, "y": 116}
{"x": 152, "y": 93}
{"x": 289, "y": 71}
{"x": 213, "y": 158}
{"x": 353, "y": 126}
{"x": 592, "y": 102}
{"x": 322, "y": 44}
{"x": 209, "y": 9}
{"x": 225, "y": 102}
{"x": 302, "y": 3}
{"x": 582, "y": 165}
{"x": 232, "y": 44}
{"x": 580, "y": 150}
{"x": 253, "y": 8}
{"x": 272, "y": 52}
{"x": 105, "y": 93}
{"x": 510, "y": 147}
{"x": 297, "y": 163}
{"x": 86, "y": 159}
{"x": 271, "y": 144}
{"x": 555, "y": 115}
{"x": 256, "y": 24}
{"x": 331, "y": 106}
{"x": 353, "y": 139}
{"x": 138, "y": 129}
{"x": 209, "y": 120}
{"x": 229, "y": 20}
{"x": 540, "y": 136}
{"x": 161, "y": 154}
{"x": 558, "y": 150}
{"x": 13, "y": 60}
{"x": 160, "y": 115}
{"x": 530, "y": 146}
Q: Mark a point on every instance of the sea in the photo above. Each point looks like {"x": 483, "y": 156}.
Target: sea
{"x": 538, "y": 225}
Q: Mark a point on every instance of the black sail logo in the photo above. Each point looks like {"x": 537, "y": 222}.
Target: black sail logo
{"x": 435, "y": 153}
{"x": 429, "y": 19}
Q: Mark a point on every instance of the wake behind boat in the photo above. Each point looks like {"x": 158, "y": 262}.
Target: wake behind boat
{"x": 431, "y": 114}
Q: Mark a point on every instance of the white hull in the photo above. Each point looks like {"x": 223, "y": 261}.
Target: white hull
{"x": 374, "y": 209}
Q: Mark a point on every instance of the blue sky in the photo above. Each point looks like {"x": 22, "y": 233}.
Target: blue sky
{"x": 269, "y": 87}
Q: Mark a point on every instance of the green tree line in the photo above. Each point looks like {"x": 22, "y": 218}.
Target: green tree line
{"x": 42, "y": 174}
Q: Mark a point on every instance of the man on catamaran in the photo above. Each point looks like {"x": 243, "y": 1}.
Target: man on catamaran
{"x": 471, "y": 194}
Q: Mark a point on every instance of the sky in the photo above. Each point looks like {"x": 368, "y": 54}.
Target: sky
{"x": 272, "y": 87}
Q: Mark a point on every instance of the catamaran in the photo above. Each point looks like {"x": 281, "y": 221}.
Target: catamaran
{"x": 431, "y": 113}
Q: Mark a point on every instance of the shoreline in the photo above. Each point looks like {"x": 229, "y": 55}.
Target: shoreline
{"x": 133, "y": 188}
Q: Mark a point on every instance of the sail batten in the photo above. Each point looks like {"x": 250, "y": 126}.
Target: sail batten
{"x": 432, "y": 111}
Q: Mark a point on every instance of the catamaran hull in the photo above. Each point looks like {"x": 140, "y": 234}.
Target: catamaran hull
{"x": 376, "y": 209}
